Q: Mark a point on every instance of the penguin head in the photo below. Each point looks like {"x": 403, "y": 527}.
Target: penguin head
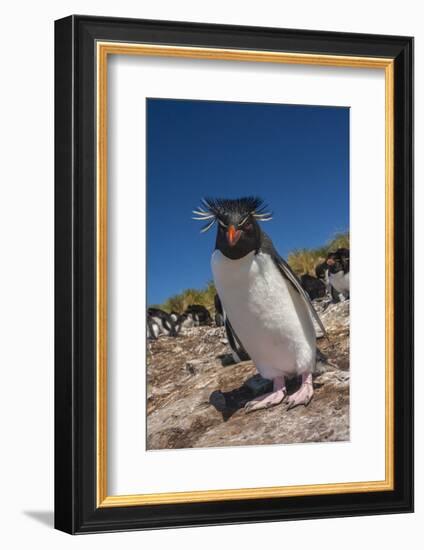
{"x": 333, "y": 263}
{"x": 238, "y": 231}
{"x": 237, "y": 234}
{"x": 338, "y": 261}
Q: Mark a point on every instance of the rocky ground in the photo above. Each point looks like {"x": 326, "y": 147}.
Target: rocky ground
{"x": 196, "y": 394}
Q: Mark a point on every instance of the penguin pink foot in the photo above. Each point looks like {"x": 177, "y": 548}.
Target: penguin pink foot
{"x": 304, "y": 394}
{"x": 269, "y": 399}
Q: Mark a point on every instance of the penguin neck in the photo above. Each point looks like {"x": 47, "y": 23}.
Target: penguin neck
{"x": 242, "y": 248}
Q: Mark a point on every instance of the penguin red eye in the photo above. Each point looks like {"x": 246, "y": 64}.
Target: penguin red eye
{"x": 247, "y": 227}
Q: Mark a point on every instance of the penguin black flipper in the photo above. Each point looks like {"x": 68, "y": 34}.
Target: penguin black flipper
{"x": 239, "y": 353}
{"x": 287, "y": 272}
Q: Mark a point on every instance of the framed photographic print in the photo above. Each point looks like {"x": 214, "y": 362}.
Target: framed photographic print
{"x": 233, "y": 265}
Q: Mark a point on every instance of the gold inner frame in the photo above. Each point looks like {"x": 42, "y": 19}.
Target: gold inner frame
{"x": 104, "y": 49}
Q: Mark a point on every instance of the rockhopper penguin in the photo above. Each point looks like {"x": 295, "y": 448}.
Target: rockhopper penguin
{"x": 338, "y": 269}
{"x": 270, "y": 312}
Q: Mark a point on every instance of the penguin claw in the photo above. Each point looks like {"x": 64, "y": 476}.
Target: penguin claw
{"x": 265, "y": 401}
{"x": 302, "y": 397}
{"x": 304, "y": 394}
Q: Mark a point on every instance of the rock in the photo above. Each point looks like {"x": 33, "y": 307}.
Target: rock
{"x": 193, "y": 365}
{"x": 196, "y": 394}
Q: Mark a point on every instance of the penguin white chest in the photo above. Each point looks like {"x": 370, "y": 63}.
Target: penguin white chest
{"x": 267, "y": 313}
{"x": 340, "y": 281}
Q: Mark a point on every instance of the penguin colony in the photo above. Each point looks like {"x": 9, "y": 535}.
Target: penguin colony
{"x": 172, "y": 324}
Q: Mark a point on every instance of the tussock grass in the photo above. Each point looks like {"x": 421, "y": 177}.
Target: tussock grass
{"x": 306, "y": 259}
{"x": 180, "y": 302}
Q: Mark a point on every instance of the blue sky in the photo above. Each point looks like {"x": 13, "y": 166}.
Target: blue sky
{"x": 295, "y": 157}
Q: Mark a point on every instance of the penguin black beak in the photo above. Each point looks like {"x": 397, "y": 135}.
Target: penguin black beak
{"x": 233, "y": 235}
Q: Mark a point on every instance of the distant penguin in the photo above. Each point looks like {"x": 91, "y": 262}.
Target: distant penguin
{"x": 153, "y": 329}
{"x": 163, "y": 320}
{"x": 200, "y": 314}
{"x": 339, "y": 278}
{"x": 269, "y": 310}
{"x": 184, "y": 321}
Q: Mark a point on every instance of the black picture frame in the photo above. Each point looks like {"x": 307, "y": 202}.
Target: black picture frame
{"x": 76, "y": 509}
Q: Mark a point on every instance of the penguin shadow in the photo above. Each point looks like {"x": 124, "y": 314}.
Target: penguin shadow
{"x": 229, "y": 402}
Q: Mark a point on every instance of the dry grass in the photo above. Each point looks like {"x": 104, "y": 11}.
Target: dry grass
{"x": 305, "y": 260}
{"x": 180, "y": 302}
